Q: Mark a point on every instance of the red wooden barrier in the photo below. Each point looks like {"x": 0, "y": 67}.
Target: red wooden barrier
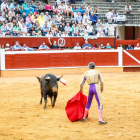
{"x": 60, "y": 59}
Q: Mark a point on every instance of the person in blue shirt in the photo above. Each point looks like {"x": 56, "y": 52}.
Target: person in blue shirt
{"x": 29, "y": 25}
{"x": 43, "y": 46}
{"x": 78, "y": 18}
{"x": 17, "y": 46}
{"x": 4, "y": 28}
{"x": 130, "y": 47}
{"x": 93, "y": 18}
{"x": 86, "y": 45}
{"x": 108, "y": 46}
{"x": 27, "y": 48}
{"x": 82, "y": 10}
{"x": 45, "y": 29}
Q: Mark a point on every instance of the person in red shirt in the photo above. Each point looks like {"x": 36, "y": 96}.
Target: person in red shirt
{"x": 48, "y": 8}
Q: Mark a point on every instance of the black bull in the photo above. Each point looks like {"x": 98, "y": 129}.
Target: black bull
{"x": 49, "y": 87}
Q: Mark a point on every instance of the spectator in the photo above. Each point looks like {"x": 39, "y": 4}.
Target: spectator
{"x": 53, "y": 27}
{"x": 43, "y": 46}
{"x": 65, "y": 34}
{"x": 4, "y": 5}
{"x": 17, "y": 11}
{"x": 33, "y": 33}
{"x": 1, "y": 34}
{"x": 54, "y": 44}
{"x": 15, "y": 33}
{"x": 41, "y": 8}
{"x": 20, "y": 2}
{"x": 128, "y": 9}
{"x": 68, "y": 29}
{"x": 33, "y": 7}
{"x": 23, "y": 28}
{"x": 34, "y": 15}
{"x": 16, "y": 27}
{"x": 56, "y": 22}
{"x": 29, "y": 25}
{"x": 77, "y": 34}
{"x": 97, "y": 47}
{"x": 37, "y": 28}
{"x": 61, "y": 28}
{"x": 86, "y": 45}
{"x": 99, "y": 26}
{"x": 69, "y": 11}
{"x": 78, "y": 18}
{"x": 82, "y": 10}
{"x": 130, "y": 47}
{"x": 74, "y": 29}
{"x": 29, "y": 18}
{"x": 63, "y": 21}
{"x": 62, "y": 8}
{"x": 59, "y": 17}
{"x": 25, "y": 4}
{"x": 53, "y": 33}
{"x": 86, "y": 16}
{"x": 17, "y": 46}
{"x": 55, "y": 8}
{"x": 47, "y": 16}
{"x": 8, "y": 34}
{"x": 27, "y": 48}
{"x": 10, "y": 28}
{"x": 12, "y": 13}
{"x": 74, "y": 10}
{"x": 77, "y": 47}
{"x": 96, "y": 10}
{"x": 109, "y": 16}
{"x": 49, "y": 22}
{"x": 102, "y": 46}
{"x": 4, "y": 28}
{"x": 137, "y": 47}
{"x": 115, "y": 16}
{"x": 7, "y": 47}
{"x": 93, "y": 18}
{"x": 41, "y": 19}
{"x": 72, "y": 22}
{"x": 100, "y": 32}
{"x": 39, "y": 33}
{"x": 108, "y": 46}
{"x": 19, "y": 33}
{"x": 45, "y": 29}
{"x": 90, "y": 29}
{"x": 48, "y": 8}
{"x": 85, "y": 34}
{"x": 23, "y": 16}
{"x": 89, "y": 9}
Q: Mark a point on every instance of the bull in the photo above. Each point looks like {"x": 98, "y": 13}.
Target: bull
{"x": 49, "y": 87}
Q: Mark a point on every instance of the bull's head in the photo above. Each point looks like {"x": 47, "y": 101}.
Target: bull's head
{"x": 52, "y": 82}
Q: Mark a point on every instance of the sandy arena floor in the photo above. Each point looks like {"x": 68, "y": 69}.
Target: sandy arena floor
{"x": 23, "y": 118}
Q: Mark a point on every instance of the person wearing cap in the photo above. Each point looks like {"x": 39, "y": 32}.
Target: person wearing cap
{"x": 93, "y": 18}
{"x": 7, "y": 47}
{"x": 47, "y": 16}
{"x": 77, "y": 47}
{"x": 17, "y": 46}
{"x": 43, "y": 46}
{"x": 93, "y": 78}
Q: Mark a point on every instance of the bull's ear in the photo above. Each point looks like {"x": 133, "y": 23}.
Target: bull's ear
{"x": 47, "y": 78}
{"x": 38, "y": 78}
{"x": 58, "y": 78}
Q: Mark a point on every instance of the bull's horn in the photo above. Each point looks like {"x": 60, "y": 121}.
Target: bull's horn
{"x": 60, "y": 76}
{"x": 47, "y": 78}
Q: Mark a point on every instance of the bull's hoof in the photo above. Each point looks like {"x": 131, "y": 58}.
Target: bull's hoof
{"x": 40, "y": 102}
{"x": 45, "y": 108}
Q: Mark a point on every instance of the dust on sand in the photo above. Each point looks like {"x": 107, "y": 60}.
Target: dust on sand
{"x": 23, "y": 118}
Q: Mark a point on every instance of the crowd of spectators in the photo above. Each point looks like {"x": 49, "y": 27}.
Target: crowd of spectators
{"x": 22, "y": 19}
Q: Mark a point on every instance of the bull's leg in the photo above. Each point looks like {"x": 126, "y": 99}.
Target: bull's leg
{"x": 54, "y": 100}
{"x": 45, "y": 100}
{"x": 41, "y": 97}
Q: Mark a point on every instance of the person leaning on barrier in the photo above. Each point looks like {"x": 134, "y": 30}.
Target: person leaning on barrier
{"x": 130, "y": 47}
{"x": 17, "y": 46}
{"x": 86, "y": 45}
{"x": 43, "y": 46}
{"x": 77, "y": 47}
{"x": 54, "y": 45}
{"x": 137, "y": 47}
{"x": 27, "y": 48}
{"x": 108, "y": 46}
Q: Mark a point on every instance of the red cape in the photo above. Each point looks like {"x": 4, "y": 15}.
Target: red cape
{"x": 75, "y": 107}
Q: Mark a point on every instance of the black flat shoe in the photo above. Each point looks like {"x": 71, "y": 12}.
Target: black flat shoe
{"x": 102, "y": 122}
{"x": 83, "y": 120}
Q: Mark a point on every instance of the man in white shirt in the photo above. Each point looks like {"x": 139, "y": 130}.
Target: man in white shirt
{"x": 24, "y": 28}
{"x": 12, "y": 13}
{"x": 69, "y": 11}
{"x": 4, "y": 5}
{"x": 109, "y": 16}
{"x": 47, "y": 16}
{"x": 65, "y": 34}
{"x": 86, "y": 16}
{"x": 59, "y": 17}
{"x": 137, "y": 47}
{"x": 68, "y": 29}
{"x": 1, "y": 34}
{"x": 62, "y": 8}
{"x": 90, "y": 29}
{"x": 128, "y": 9}
{"x": 77, "y": 47}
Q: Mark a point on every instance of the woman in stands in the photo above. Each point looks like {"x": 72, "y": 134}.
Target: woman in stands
{"x": 41, "y": 8}
{"x": 29, "y": 17}
{"x": 55, "y": 8}
{"x": 74, "y": 10}
{"x": 48, "y": 8}
{"x": 63, "y": 21}
{"x": 89, "y": 9}
{"x": 115, "y": 16}
{"x": 61, "y": 28}
{"x": 53, "y": 27}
